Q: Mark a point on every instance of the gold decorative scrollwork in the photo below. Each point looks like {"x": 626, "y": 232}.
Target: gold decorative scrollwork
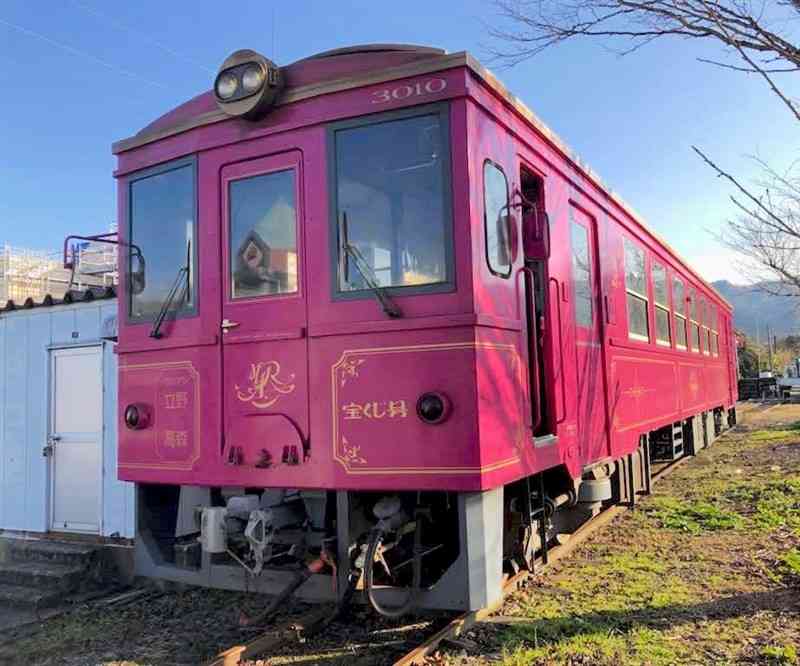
{"x": 266, "y": 386}
{"x": 352, "y": 454}
{"x": 349, "y": 369}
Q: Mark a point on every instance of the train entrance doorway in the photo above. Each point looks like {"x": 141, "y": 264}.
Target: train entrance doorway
{"x": 264, "y": 315}
{"x": 536, "y": 245}
{"x": 592, "y": 420}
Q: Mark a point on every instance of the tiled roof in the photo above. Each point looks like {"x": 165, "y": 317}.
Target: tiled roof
{"x": 72, "y": 296}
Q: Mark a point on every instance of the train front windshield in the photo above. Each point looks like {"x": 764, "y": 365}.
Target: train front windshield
{"x": 162, "y": 222}
{"x": 391, "y": 196}
{"x": 392, "y": 202}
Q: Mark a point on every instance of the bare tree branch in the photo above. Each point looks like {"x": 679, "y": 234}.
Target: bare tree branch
{"x": 766, "y": 231}
{"x": 527, "y": 27}
{"x": 748, "y": 70}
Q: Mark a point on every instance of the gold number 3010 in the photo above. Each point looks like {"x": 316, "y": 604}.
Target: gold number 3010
{"x": 428, "y": 87}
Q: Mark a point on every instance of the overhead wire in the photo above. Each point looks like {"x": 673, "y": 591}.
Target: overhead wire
{"x": 78, "y": 52}
{"x": 119, "y": 25}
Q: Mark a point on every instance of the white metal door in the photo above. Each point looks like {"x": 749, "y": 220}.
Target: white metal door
{"x": 75, "y": 444}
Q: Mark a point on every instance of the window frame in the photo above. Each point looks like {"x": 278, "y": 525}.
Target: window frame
{"x": 592, "y": 305}
{"x": 487, "y": 162}
{"x": 665, "y": 306}
{"x": 631, "y": 292}
{"x": 694, "y": 311}
{"x": 194, "y": 273}
{"x": 714, "y": 326}
{"x": 442, "y": 110}
{"x": 705, "y": 332}
{"x": 680, "y": 313}
{"x": 294, "y": 169}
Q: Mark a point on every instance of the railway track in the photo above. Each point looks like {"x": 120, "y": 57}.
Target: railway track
{"x": 299, "y": 628}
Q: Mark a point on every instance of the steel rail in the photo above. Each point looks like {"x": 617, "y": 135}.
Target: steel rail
{"x": 301, "y": 627}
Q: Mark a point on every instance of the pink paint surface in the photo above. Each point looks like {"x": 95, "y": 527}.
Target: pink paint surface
{"x": 308, "y": 392}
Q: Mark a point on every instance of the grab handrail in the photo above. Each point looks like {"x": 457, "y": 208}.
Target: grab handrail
{"x": 533, "y": 350}
{"x": 560, "y": 353}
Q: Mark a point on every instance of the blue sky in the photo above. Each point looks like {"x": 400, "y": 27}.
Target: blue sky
{"x": 76, "y": 75}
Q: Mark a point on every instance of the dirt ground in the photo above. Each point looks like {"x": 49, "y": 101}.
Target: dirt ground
{"x": 706, "y": 571}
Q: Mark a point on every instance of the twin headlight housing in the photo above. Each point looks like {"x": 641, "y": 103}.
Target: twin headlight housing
{"x": 247, "y": 84}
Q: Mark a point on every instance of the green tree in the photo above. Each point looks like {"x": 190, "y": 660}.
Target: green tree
{"x": 748, "y": 363}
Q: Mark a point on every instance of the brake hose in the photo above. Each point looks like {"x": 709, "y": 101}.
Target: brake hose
{"x": 375, "y": 540}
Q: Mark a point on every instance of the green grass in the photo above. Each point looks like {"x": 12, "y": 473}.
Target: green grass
{"x": 692, "y": 517}
{"x": 591, "y": 642}
{"x": 790, "y": 563}
{"x": 763, "y": 436}
{"x": 634, "y": 607}
{"x": 772, "y": 505}
{"x": 781, "y": 655}
{"x": 601, "y": 614}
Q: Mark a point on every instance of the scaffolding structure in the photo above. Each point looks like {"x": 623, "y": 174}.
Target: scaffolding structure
{"x": 27, "y": 273}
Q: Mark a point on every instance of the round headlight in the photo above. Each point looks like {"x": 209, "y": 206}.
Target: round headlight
{"x": 433, "y": 408}
{"x": 137, "y": 416}
{"x": 132, "y": 417}
{"x": 253, "y": 78}
{"x": 247, "y": 85}
{"x": 226, "y": 86}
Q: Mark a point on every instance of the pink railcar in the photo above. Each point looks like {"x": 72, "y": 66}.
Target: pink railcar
{"x": 371, "y": 298}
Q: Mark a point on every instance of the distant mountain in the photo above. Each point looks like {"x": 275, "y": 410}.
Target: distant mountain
{"x": 755, "y": 309}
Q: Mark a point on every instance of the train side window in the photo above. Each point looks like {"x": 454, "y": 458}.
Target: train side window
{"x": 661, "y": 300}
{"x": 704, "y": 332}
{"x": 695, "y": 323}
{"x": 714, "y": 329}
{"x": 495, "y": 212}
{"x": 679, "y": 306}
{"x": 636, "y": 288}
{"x": 581, "y": 274}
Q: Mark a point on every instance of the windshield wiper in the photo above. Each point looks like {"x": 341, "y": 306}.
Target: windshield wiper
{"x": 389, "y": 306}
{"x": 181, "y": 277}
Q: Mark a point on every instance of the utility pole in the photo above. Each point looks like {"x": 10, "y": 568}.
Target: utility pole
{"x": 769, "y": 348}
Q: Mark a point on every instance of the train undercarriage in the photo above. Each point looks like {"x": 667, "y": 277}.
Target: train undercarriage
{"x": 396, "y": 551}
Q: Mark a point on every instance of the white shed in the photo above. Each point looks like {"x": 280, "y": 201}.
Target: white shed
{"x": 58, "y": 419}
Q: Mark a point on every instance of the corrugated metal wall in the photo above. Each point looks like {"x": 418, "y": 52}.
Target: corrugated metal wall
{"x": 25, "y": 339}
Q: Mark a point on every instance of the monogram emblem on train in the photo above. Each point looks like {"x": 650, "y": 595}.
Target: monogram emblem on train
{"x": 265, "y": 385}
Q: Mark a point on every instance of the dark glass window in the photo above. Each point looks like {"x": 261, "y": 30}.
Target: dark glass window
{"x": 695, "y": 337}
{"x": 263, "y": 235}
{"x": 679, "y": 307}
{"x": 581, "y": 274}
{"x": 680, "y": 332}
{"x": 162, "y": 226}
{"x": 663, "y": 333}
{"x": 392, "y": 207}
{"x": 495, "y": 212}
{"x": 636, "y": 287}
{"x": 694, "y": 314}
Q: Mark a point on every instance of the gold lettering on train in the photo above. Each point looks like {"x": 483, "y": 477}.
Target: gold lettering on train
{"x": 392, "y": 409}
{"x": 176, "y": 400}
{"x": 176, "y": 439}
{"x": 265, "y": 385}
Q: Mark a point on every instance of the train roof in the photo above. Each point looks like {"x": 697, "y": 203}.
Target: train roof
{"x": 361, "y": 65}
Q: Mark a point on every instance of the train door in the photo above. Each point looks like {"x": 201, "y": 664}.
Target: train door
{"x": 591, "y": 401}
{"x": 732, "y": 353}
{"x": 536, "y": 245}
{"x": 264, "y": 344}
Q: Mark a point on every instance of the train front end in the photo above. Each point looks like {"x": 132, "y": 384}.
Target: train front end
{"x": 297, "y": 340}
